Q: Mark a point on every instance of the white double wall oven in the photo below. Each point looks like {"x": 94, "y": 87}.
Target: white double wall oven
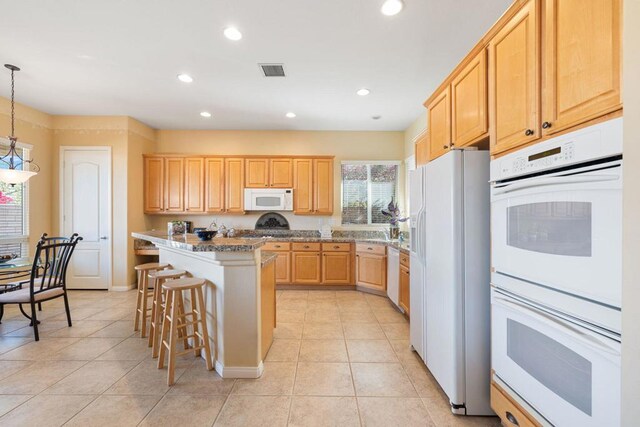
{"x": 557, "y": 274}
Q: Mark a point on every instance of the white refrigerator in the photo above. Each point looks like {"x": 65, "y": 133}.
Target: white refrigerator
{"x": 452, "y": 241}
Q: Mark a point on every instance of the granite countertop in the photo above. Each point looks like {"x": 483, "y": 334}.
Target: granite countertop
{"x": 190, "y": 242}
{"x": 267, "y": 258}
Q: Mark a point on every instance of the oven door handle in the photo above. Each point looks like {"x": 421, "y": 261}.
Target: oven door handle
{"x": 557, "y": 180}
{"x": 555, "y": 321}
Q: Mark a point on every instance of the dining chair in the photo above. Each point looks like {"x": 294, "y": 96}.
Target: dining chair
{"x": 47, "y": 280}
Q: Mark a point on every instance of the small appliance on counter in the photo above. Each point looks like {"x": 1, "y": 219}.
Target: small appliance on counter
{"x": 178, "y": 227}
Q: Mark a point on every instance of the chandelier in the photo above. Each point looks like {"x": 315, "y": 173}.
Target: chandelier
{"x": 13, "y": 168}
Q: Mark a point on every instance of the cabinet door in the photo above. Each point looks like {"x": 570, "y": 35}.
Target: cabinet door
{"x": 283, "y": 268}
{"x": 469, "y": 102}
{"x": 371, "y": 271}
{"x": 174, "y": 184}
{"x": 194, "y": 184}
{"x": 234, "y": 185}
{"x": 214, "y": 185}
{"x": 404, "y": 289}
{"x": 153, "y": 184}
{"x": 439, "y": 124}
{"x": 582, "y": 65}
{"x": 422, "y": 151}
{"x": 336, "y": 268}
{"x": 323, "y": 186}
{"x": 302, "y": 186}
{"x": 306, "y": 268}
{"x": 257, "y": 173}
{"x": 514, "y": 74}
{"x": 280, "y": 173}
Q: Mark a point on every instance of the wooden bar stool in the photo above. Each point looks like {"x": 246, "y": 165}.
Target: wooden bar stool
{"x": 173, "y": 321}
{"x": 143, "y": 271}
{"x": 157, "y": 304}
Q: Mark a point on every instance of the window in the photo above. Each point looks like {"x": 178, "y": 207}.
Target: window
{"x": 14, "y": 213}
{"x": 367, "y": 188}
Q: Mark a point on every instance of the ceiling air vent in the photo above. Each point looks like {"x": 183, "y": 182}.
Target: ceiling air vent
{"x": 272, "y": 70}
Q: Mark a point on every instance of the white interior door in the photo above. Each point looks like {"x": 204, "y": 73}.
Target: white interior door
{"x": 86, "y": 210}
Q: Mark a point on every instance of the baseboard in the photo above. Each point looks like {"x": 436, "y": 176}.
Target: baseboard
{"x": 122, "y": 288}
{"x": 239, "y": 371}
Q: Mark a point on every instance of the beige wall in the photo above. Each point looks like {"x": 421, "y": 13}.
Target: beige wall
{"x": 631, "y": 215}
{"x": 343, "y": 145}
{"x": 35, "y": 128}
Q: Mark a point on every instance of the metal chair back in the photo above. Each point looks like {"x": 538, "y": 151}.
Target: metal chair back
{"x": 50, "y": 262}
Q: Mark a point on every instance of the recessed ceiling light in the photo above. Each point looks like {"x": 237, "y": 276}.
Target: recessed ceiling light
{"x": 376, "y": 117}
{"x": 185, "y": 78}
{"x": 232, "y": 33}
{"x": 205, "y": 114}
{"x": 391, "y": 7}
{"x": 363, "y": 92}
{"x": 290, "y": 115}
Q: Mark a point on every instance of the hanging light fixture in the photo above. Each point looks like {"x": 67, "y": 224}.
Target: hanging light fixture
{"x": 13, "y": 168}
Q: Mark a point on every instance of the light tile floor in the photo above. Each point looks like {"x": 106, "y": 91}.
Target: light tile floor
{"x": 338, "y": 359}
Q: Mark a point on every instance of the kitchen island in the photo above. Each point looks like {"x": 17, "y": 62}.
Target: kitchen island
{"x": 232, "y": 268}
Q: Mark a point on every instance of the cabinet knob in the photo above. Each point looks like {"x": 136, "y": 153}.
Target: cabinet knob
{"x": 370, "y": 249}
{"x": 546, "y": 125}
{"x": 513, "y": 420}
{"x": 445, "y": 147}
{"x": 528, "y": 132}
{"x": 306, "y": 246}
{"x": 336, "y": 247}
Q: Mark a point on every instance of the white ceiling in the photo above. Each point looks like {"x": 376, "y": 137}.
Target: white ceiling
{"x": 121, "y": 57}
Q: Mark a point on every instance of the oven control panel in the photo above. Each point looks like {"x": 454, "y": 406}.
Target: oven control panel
{"x": 552, "y": 157}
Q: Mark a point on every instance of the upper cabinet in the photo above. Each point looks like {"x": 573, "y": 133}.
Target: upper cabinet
{"x": 194, "y": 184}
{"x": 313, "y": 186}
{"x": 214, "y": 185}
{"x": 514, "y": 70}
{"x": 469, "y": 119}
{"x": 206, "y": 185}
{"x": 439, "y": 127}
{"x": 582, "y": 61}
{"x": 546, "y": 67}
{"x": 281, "y": 173}
{"x": 174, "y": 184}
{"x": 275, "y": 173}
{"x": 421, "y": 148}
{"x": 234, "y": 185}
{"x": 257, "y": 173}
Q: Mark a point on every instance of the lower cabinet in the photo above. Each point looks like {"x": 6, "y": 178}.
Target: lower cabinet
{"x": 511, "y": 414}
{"x": 306, "y": 268}
{"x": 336, "y": 268}
{"x": 371, "y": 269}
{"x": 268, "y": 306}
{"x": 404, "y": 289}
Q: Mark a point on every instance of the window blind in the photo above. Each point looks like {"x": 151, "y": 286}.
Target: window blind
{"x": 367, "y": 188}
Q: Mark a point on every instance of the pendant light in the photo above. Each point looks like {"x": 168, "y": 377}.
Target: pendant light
{"x": 13, "y": 168}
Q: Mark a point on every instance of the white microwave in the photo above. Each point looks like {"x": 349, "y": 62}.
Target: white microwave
{"x": 268, "y": 199}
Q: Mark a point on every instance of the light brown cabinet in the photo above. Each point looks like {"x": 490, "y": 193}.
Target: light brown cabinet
{"x": 403, "y": 300}
{"x": 514, "y": 76}
{"x": 174, "y": 184}
{"x": 194, "y": 184}
{"x": 234, "y": 185}
{"x": 262, "y": 172}
{"x": 214, "y": 184}
{"x": 439, "y": 128}
{"x": 422, "y": 149}
{"x": 306, "y": 267}
{"x": 469, "y": 119}
{"x": 281, "y": 173}
{"x": 371, "y": 267}
{"x": 257, "y": 173}
{"x": 313, "y": 186}
{"x": 511, "y": 414}
{"x": 582, "y": 62}
{"x": 336, "y": 264}
{"x": 153, "y": 185}
{"x": 283, "y": 261}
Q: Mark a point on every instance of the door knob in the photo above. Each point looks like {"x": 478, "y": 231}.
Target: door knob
{"x": 104, "y": 238}
{"x": 546, "y": 125}
{"x": 528, "y": 132}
